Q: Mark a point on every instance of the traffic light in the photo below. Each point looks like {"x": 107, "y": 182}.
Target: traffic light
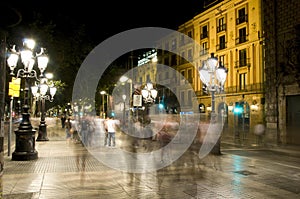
{"x": 239, "y": 108}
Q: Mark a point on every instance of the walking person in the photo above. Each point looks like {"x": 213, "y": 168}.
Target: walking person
{"x": 105, "y": 132}
{"x": 68, "y": 126}
{"x": 84, "y": 125}
{"x": 112, "y": 124}
{"x": 63, "y": 120}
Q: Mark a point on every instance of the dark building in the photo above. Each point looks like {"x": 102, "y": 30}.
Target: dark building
{"x": 281, "y": 37}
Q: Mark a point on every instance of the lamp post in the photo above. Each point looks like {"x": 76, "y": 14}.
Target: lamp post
{"x": 124, "y": 79}
{"x": 40, "y": 93}
{"x": 213, "y": 76}
{"x": 25, "y": 134}
{"x": 124, "y": 100}
{"x": 103, "y": 110}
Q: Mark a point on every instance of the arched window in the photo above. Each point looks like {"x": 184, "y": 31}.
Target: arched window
{"x": 201, "y": 108}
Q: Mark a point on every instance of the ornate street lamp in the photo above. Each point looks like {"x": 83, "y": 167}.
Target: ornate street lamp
{"x": 213, "y": 76}
{"x": 25, "y": 134}
{"x": 40, "y": 93}
{"x": 149, "y": 93}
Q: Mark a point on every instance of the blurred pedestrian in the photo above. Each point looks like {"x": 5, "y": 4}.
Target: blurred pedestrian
{"x": 259, "y": 131}
{"x": 87, "y": 129}
{"x": 68, "y": 126}
{"x": 83, "y": 126}
{"x": 112, "y": 125}
{"x": 91, "y": 131}
{"x": 105, "y": 132}
{"x": 63, "y": 120}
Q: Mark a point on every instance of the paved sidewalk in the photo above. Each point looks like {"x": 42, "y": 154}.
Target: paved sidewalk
{"x": 68, "y": 170}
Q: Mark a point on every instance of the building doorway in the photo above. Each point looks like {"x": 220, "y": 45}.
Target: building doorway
{"x": 292, "y": 119}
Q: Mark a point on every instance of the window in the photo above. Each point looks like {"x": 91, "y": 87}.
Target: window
{"x": 182, "y": 58}
{"x": 167, "y": 46}
{"x": 148, "y": 78}
{"x": 221, "y": 25}
{"x": 173, "y": 60}
{"x": 204, "y": 32}
{"x": 182, "y": 74}
{"x": 222, "y": 60}
{"x": 242, "y": 35}
{"x": 190, "y": 54}
{"x": 189, "y": 98}
{"x": 174, "y": 44}
{"x": 190, "y": 76}
{"x": 201, "y": 108}
{"x": 222, "y": 42}
{"x": 182, "y": 40}
{"x": 166, "y": 61}
{"x": 242, "y": 16}
{"x": 160, "y": 77}
{"x": 190, "y": 34}
{"x": 204, "y": 49}
{"x": 243, "y": 81}
{"x": 182, "y": 97}
{"x": 167, "y": 75}
{"x": 242, "y": 58}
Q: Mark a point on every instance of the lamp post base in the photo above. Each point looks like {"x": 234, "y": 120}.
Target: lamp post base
{"x": 42, "y": 135}
{"x": 25, "y": 145}
{"x": 216, "y": 150}
{"x": 24, "y": 156}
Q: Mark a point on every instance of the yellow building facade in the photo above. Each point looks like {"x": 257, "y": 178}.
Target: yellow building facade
{"x": 230, "y": 31}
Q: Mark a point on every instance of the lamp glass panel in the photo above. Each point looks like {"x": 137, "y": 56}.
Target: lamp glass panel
{"x": 153, "y": 93}
{"x": 42, "y": 62}
{"x": 30, "y": 65}
{"x": 204, "y": 76}
{"x": 145, "y": 93}
{"x": 212, "y": 64}
{"x": 26, "y": 55}
{"x": 12, "y": 60}
{"x": 52, "y": 91}
{"x": 43, "y": 89}
{"x": 34, "y": 90}
{"x": 221, "y": 75}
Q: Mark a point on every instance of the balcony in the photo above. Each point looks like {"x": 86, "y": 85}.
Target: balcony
{"x": 254, "y": 88}
{"x": 259, "y": 87}
{"x": 204, "y": 35}
{"x": 241, "y": 39}
{"x": 204, "y": 52}
{"x": 242, "y": 63}
{"x": 221, "y": 46}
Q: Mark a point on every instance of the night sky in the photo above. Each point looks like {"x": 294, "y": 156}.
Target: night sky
{"x": 107, "y": 18}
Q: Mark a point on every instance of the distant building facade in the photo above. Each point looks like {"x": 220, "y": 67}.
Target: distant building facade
{"x": 231, "y": 31}
{"x": 258, "y": 42}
